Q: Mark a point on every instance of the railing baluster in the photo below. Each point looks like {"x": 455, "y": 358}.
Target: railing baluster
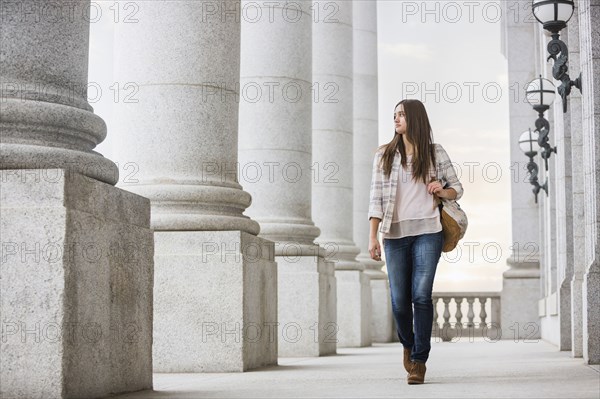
{"x": 458, "y": 301}
{"x": 470, "y": 313}
{"x": 482, "y": 312}
{"x": 435, "y": 313}
{"x": 446, "y": 326}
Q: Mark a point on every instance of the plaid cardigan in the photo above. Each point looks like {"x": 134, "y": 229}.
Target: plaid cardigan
{"x": 383, "y": 190}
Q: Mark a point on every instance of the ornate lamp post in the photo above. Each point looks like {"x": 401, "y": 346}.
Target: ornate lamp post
{"x": 554, "y": 15}
{"x": 528, "y": 141}
{"x": 540, "y": 93}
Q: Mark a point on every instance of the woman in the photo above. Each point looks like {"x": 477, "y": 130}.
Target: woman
{"x": 408, "y": 174}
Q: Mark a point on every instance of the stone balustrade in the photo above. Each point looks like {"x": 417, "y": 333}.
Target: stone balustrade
{"x": 454, "y": 315}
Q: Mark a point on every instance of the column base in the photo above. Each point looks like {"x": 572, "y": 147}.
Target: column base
{"x": 382, "y": 324}
{"x": 307, "y": 306}
{"x": 591, "y": 317}
{"x": 576, "y": 317}
{"x": 76, "y": 283}
{"x": 45, "y": 135}
{"x": 354, "y": 308}
{"x": 564, "y": 315}
{"x": 395, "y": 337}
{"x": 215, "y": 302}
{"x": 519, "y": 317}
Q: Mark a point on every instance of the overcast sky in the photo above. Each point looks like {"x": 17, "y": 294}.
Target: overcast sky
{"x": 449, "y": 57}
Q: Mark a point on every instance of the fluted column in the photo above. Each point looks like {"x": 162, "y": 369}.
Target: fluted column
{"x": 76, "y": 270}
{"x": 214, "y": 277}
{"x": 275, "y": 158}
{"x": 365, "y": 113}
{"x": 332, "y": 152}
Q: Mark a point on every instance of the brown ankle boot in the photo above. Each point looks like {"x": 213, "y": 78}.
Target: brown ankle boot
{"x": 407, "y": 361}
{"x": 417, "y": 373}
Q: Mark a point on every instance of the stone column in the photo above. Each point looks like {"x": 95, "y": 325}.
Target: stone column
{"x": 76, "y": 268}
{"x": 275, "y": 152}
{"x": 589, "y": 30}
{"x": 216, "y": 282}
{"x": 365, "y": 143}
{"x": 332, "y": 197}
{"x": 520, "y": 288}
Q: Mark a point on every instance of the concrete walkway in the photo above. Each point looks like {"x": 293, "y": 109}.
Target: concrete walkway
{"x": 463, "y": 369}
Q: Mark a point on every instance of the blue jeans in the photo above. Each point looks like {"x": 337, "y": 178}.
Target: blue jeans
{"x": 411, "y": 265}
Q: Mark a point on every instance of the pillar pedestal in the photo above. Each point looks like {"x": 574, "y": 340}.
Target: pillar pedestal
{"x": 215, "y": 302}
{"x": 519, "y": 299}
{"x": 76, "y": 283}
{"x": 354, "y": 308}
{"x": 382, "y": 321}
{"x": 307, "y": 304}
{"x": 591, "y": 309}
{"x": 577, "y": 316}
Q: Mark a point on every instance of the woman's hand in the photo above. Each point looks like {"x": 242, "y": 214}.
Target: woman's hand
{"x": 374, "y": 249}
{"x": 435, "y": 188}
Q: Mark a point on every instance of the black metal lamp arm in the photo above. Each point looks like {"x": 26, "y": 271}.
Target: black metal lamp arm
{"x": 532, "y": 168}
{"x": 560, "y": 70}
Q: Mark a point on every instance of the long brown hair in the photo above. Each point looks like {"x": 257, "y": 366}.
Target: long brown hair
{"x": 418, "y": 133}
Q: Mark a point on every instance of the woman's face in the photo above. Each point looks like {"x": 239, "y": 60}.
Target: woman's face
{"x": 400, "y": 119}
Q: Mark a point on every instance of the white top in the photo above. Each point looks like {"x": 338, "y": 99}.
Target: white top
{"x": 415, "y": 210}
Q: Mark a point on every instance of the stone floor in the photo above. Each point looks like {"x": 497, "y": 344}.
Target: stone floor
{"x": 463, "y": 369}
